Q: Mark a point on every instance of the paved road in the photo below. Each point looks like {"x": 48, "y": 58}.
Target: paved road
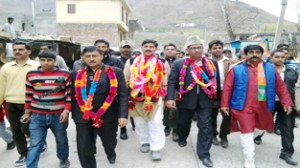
{"x": 129, "y": 156}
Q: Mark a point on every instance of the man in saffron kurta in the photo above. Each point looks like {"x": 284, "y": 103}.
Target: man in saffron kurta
{"x": 252, "y": 101}
{"x": 146, "y": 107}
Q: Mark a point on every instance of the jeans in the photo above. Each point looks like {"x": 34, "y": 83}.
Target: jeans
{"x": 5, "y": 133}
{"x": 38, "y": 132}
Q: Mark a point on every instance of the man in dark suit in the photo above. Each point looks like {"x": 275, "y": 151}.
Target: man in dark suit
{"x": 196, "y": 79}
{"x": 97, "y": 81}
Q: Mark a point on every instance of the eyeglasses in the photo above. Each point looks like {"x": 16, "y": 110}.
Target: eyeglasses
{"x": 195, "y": 48}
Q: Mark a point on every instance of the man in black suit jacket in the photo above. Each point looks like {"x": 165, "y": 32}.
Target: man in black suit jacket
{"x": 115, "y": 115}
{"x": 196, "y": 100}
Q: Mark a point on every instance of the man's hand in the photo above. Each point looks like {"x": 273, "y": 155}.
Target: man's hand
{"x": 64, "y": 116}
{"x": 225, "y": 110}
{"x": 25, "y": 118}
{"x": 171, "y": 104}
{"x": 122, "y": 122}
{"x": 287, "y": 109}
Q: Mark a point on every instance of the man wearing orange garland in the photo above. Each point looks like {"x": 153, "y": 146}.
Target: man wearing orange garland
{"x": 99, "y": 103}
{"x": 196, "y": 79}
{"x": 146, "y": 76}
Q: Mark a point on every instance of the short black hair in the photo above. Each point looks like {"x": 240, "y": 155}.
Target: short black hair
{"x": 170, "y": 45}
{"x": 22, "y": 43}
{"x": 281, "y": 45}
{"x": 149, "y": 41}
{"x": 47, "y": 54}
{"x": 91, "y": 49}
{"x": 226, "y": 50}
{"x": 46, "y": 44}
{"x": 10, "y": 18}
{"x": 215, "y": 42}
{"x": 253, "y": 47}
{"x": 276, "y": 51}
{"x": 102, "y": 41}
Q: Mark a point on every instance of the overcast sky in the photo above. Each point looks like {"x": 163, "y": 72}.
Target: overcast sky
{"x": 274, "y": 7}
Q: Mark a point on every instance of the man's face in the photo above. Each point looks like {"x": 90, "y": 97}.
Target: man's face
{"x": 92, "y": 59}
{"x": 47, "y": 63}
{"x": 148, "y": 49}
{"x": 254, "y": 56}
{"x": 278, "y": 58}
{"x": 20, "y": 51}
{"x": 103, "y": 47}
{"x": 286, "y": 52}
{"x": 228, "y": 54}
{"x": 195, "y": 51}
{"x": 216, "y": 50}
{"x": 44, "y": 48}
{"x": 170, "y": 52}
{"x": 10, "y": 20}
{"x": 126, "y": 50}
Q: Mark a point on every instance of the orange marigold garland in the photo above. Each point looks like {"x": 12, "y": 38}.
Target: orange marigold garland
{"x": 142, "y": 80}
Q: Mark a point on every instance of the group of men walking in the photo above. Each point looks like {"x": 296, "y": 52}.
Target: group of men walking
{"x": 102, "y": 90}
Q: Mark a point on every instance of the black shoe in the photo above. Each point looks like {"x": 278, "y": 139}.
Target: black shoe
{"x": 167, "y": 131}
{"x": 182, "y": 143}
{"x": 224, "y": 142}
{"x": 175, "y": 137}
{"x": 277, "y": 132}
{"x": 215, "y": 141}
{"x": 64, "y": 163}
{"x": 257, "y": 140}
{"x": 10, "y": 146}
{"x": 207, "y": 162}
{"x": 289, "y": 160}
{"x": 112, "y": 159}
{"x": 124, "y": 135}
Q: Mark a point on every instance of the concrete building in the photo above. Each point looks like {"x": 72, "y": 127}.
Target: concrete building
{"x": 89, "y": 20}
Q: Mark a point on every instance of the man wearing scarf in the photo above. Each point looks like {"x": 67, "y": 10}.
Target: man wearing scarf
{"x": 249, "y": 92}
{"x": 146, "y": 76}
{"x": 196, "y": 79}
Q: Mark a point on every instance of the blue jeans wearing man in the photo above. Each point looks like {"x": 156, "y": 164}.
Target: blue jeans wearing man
{"x": 38, "y": 132}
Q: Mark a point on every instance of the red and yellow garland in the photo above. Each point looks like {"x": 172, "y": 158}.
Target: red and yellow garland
{"x": 146, "y": 78}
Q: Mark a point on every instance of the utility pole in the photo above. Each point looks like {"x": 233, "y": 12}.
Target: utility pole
{"x": 279, "y": 24}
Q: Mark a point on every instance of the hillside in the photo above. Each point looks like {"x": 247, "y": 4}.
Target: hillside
{"x": 179, "y": 18}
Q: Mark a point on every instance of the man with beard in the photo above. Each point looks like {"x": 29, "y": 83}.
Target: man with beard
{"x": 146, "y": 77}
{"x": 108, "y": 60}
{"x": 99, "y": 104}
{"x": 249, "y": 92}
{"x": 126, "y": 50}
{"x": 196, "y": 79}
{"x": 170, "y": 114}
{"x": 286, "y": 121}
{"x": 12, "y": 89}
{"x": 215, "y": 48}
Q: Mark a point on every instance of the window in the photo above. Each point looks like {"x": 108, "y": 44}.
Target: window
{"x": 71, "y": 8}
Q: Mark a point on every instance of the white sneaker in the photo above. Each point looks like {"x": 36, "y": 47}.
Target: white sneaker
{"x": 249, "y": 163}
{"x": 155, "y": 155}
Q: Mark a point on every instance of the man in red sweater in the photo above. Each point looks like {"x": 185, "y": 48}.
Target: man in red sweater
{"x": 48, "y": 103}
